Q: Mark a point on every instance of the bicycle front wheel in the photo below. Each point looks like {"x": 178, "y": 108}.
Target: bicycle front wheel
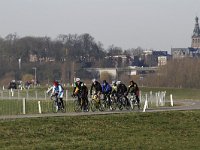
{"x": 77, "y": 106}
{"x": 54, "y": 107}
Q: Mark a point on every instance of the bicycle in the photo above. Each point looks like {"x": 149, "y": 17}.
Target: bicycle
{"x": 123, "y": 102}
{"x": 134, "y": 102}
{"x": 57, "y": 105}
{"x": 109, "y": 104}
{"x": 96, "y": 103}
{"x": 81, "y": 105}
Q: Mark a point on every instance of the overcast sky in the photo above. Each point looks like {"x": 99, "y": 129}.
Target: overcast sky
{"x": 150, "y": 24}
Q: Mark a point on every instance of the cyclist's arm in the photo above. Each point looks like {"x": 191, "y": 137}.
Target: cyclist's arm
{"x": 49, "y": 89}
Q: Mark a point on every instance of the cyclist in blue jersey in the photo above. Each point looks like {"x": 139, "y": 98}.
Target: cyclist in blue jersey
{"x": 58, "y": 91}
{"x": 106, "y": 91}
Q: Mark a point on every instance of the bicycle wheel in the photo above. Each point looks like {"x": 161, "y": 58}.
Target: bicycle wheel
{"x": 120, "y": 103}
{"x": 54, "y": 106}
{"x": 93, "y": 105}
{"x": 77, "y": 106}
{"x": 113, "y": 104}
{"x": 102, "y": 105}
{"x": 63, "y": 108}
{"x": 127, "y": 104}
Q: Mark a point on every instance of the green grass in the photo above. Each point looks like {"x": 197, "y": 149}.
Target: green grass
{"x": 14, "y": 106}
{"x": 143, "y": 131}
{"x": 177, "y": 93}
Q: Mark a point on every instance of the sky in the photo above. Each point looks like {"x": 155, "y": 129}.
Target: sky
{"x": 149, "y": 24}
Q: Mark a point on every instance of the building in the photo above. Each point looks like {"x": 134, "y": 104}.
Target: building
{"x": 194, "y": 50}
{"x": 196, "y": 35}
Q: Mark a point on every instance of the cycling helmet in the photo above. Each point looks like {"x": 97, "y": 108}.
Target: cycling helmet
{"x": 78, "y": 79}
{"x": 93, "y": 80}
{"x": 118, "y": 82}
{"x": 113, "y": 82}
{"x": 55, "y": 83}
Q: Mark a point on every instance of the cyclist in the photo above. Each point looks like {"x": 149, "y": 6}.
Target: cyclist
{"x": 58, "y": 91}
{"x": 122, "y": 91}
{"x": 134, "y": 89}
{"x": 114, "y": 88}
{"x": 106, "y": 91}
{"x": 97, "y": 88}
{"x": 81, "y": 91}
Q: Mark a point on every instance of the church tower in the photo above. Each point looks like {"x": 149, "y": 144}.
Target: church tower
{"x": 196, "y": 35}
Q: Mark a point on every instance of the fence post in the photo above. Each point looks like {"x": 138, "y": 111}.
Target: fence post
{"x": 171, "y": 100}
{"x": 24, "y": 105}
{"x": 145, "y": 104}
{"x": 156, "y": 99}
{"x": 147, "y": 100}
{"x": 12, "y": 92}
{"x": 39, "y": 107}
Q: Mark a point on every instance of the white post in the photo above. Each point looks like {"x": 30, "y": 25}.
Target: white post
{"x": 12, "y": 92}
{"x": 147, "y": 100}
{"x": 39, "y": 107}
{"x": 171, "y": 100}
{"x": 145, "y": 105}
{"x": 156, "y": 99}
{"x": 24, "y": 106}
{"x": 3, "y": 87}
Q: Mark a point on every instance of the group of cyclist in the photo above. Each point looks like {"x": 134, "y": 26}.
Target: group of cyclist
{"x": 117, "y": 88}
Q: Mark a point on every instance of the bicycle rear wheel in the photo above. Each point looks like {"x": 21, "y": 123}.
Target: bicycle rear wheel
{"x": 63, "y": 108}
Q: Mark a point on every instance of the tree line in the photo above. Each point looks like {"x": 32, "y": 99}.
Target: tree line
{"x": 71, "y": 52}
{"x": 74, "y": 52}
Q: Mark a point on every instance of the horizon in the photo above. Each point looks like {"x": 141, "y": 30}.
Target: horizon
{"x": 149, "y": 24}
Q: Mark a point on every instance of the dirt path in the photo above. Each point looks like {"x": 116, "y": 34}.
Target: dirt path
{"x": 182, "y": 105}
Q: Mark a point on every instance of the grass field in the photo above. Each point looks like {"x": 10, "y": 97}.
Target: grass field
{"x": 178, "y": 93}
{"x": 141, "y": 131}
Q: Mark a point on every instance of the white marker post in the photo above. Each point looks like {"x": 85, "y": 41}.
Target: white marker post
{"x": 24, "y": 105}
{"x": 145, "y": 104}
{"x": 39, "y": 107}
{"x": 171, "y": 100}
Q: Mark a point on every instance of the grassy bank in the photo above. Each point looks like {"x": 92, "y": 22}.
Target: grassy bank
{"x": 178, "y": 93}
{"x": 161, "y": 130}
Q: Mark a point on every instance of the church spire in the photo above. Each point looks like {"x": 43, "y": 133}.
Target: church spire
{"x": 196, "y": 31}
{"x": 196, "y": 35}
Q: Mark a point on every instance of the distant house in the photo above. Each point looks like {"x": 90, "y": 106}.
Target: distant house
{"x": 33, "y": 58}
{"x": 155, "y": 58}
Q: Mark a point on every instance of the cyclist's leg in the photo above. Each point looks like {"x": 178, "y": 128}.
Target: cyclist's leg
{"x": 62, "y": 103}
{"x": 138, "y": 101}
